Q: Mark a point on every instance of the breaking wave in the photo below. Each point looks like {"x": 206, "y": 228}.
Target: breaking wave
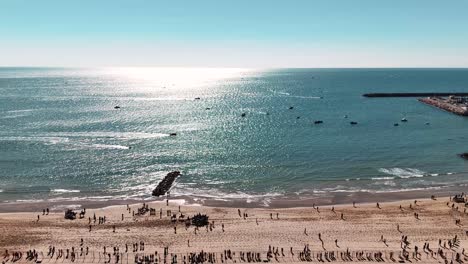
{"x": 64, "y": 191}
{"x": 404, "y": 173}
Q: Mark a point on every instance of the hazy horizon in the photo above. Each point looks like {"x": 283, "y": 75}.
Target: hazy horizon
{"x": 242, "y": 34}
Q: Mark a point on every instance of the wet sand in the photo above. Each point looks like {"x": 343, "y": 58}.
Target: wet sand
{"x": 360, "y": 230}
{"x": 291, "y": 201}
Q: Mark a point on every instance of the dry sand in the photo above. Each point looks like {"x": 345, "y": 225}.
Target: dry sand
{"x": 361, "y": 230}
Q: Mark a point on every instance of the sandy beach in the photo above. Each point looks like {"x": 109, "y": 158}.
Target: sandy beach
{"x": 341, "y": 233}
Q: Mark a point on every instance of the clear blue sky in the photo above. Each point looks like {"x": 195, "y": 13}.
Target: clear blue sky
{"x": 234, "y": 33}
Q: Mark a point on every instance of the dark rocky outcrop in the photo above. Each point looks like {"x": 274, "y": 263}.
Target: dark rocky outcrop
{"x": 464, "y": 155}
{"x": 70, "y": 215}
{"x": 166, "y": 183}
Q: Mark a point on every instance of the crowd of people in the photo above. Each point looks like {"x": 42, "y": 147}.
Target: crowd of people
{"x": 447, "y": 250}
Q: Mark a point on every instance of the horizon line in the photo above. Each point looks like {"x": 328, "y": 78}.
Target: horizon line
{"x": 227, "y": 67}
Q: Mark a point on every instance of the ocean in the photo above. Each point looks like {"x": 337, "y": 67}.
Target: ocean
{"x": 62, "y": 139}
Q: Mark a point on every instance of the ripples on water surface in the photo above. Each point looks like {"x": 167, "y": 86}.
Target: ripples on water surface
{"x": 61, "y": 138}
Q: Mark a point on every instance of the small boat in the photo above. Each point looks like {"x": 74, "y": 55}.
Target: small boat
{"x": 243, "y": 114}
{"x": 173, "y": 134}
{"x": 404, "y": 119}
{"x": 197, "y": 98}
{"x": 345, "y": 116}
{"x": 318, "y": 122}
{"x": 207, "y": 108}
{"x": 298, "y": 117}
{"x": 427, "y": 123}
{"x": 396, "y": 124}
{"x": 291, "y": 107}
{"x": 116, "y": 107}
{"x": 353, "y": 123}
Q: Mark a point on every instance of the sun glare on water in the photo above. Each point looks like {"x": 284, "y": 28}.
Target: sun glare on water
{"x": 177, "y": 77}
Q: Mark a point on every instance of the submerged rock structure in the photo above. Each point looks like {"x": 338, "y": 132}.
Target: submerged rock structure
{"x": 166, "y": 183}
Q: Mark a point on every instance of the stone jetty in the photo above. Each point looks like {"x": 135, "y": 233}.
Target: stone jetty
{"x": 453, "y": 104}
{"x": 166, "y": 183}
{"x": 428, "y": 94}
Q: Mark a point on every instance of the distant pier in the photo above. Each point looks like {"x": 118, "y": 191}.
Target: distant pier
{"x": 454, "y": 105}
{"x": 412, "y": 94}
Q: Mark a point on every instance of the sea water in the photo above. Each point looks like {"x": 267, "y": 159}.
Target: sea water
{"x": 62, "y": 138}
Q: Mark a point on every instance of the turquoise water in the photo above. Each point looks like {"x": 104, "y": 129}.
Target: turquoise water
{"x": 61, "y": 138}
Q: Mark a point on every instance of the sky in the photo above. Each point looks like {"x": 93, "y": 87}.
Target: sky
{"x": 234, "y": 33}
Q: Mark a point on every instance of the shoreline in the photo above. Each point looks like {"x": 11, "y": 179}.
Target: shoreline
{"x": 344, "y": 232}
{"x": 297, "y": 201}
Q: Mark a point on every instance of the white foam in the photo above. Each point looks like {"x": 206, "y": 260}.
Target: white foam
{"x": 21, "y": 111}
{"x": 183, "y": 190}
{"x": 13, "y": 116}
{"x": 47, "y": 140}
{"x": 104, "y": 146}
{"x": 106, "y": 134}
{"x": 64, "y": 191}
{"x": 160, "y": 99}
{"x": 382, "y": 178}
{"x": 68, "y": 206}
{"x": 306, "y": 97}
{"x": 405, "y": 173}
